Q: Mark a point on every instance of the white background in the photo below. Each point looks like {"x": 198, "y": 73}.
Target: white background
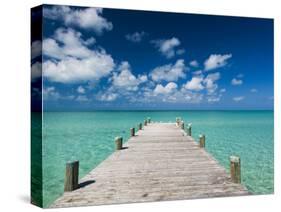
{"x": 15, "y": 98}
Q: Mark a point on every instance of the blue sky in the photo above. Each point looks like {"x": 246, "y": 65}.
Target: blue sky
{"x": 124, "y": 59}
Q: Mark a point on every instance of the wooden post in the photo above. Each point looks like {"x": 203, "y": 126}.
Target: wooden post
{"x": 148, "y": 120}
{"x": 132, "y": 130}
{"x": 118, "y": 142}
{"x": 71, "y": 176}
{"x": 189, "y": 129}
{"x": 235, "y": 169}
{"x": 202, "y": 141}
{"x": 140, "y": 126}
{"x": 182, "y": 125}
{"x": 145, "y": 122}
{"x": 178, "y": 120}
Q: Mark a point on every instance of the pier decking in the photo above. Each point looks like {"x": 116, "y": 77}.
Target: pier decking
{"x": 161, "y": 162}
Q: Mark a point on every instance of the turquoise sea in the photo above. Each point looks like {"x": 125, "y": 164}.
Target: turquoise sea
{"x": 88, "y": 137}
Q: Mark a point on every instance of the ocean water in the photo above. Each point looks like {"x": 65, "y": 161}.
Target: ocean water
{"x": 89, "y": 138}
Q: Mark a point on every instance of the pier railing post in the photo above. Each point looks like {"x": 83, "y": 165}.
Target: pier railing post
{"x": 132, "y": 130}
{"x": 202, "y": 139}
{"x": 71, "y": 176}
{"x": 178, "y": 121}
{"x": 145, "y": 122}
{"x": 189, "y": 129}
{"x": 235, "y": 169}
{"x": 182, "y": 125}
{"x": 140, "y": 126}
{"x": 118, "y": 143}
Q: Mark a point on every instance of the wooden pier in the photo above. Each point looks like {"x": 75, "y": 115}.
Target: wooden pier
{"x": 159, "y": 162}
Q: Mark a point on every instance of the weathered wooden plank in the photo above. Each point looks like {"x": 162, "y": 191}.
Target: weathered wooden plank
{"x": 160, "y": 162}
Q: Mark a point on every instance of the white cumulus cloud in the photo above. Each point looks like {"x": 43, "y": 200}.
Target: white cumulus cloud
{"x": 169, "y": 72}
{"x": 36, "y": 71}
{"x": 124, "y": 79}
{"x": 72, "y": 61}
{"x": 169, "y": 88}
{"x": 50, "y": 93}
{"x": 235, "y": 81}
{"x": 213, "y": 99}
{"x": 195, "y": 84}
{"x": 238, "y": 98}
{"x": 216, "y": 61}
{"x": 36, "y": 49}
{"x": 168, "y": 47}
{"x": 223, "y": 90}
{"x": 81, "y": 90}
{"x": 88, "y": 18}
{"x": 194, "y": 63}
{"x": 108, "y": 97}
{"x": 198, "y": 72}
{"x": 135, "y": 37}
{"x": 210, "y": 82}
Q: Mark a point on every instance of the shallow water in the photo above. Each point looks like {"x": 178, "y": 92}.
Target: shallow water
{"x": 89, "y": 138}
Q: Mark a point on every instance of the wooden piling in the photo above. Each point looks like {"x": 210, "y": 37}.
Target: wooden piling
{"x": 118, "y": 143}
{"x": 178, "y": 119}
{"x": 235, "y": 169}
{"x": 71, "y": 176}
{"x": 202, "y": 139}
{"x": 145, "y": 122}
{"x": 182, "y": 125}
{"x": 132, "y": 130}
{"x": 140, "y": 126}
{"x": 189, "y": 129}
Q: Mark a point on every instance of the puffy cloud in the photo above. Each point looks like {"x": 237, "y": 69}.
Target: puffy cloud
{"x": 36, "y": 49}
{"x": 36, "y": 71}
{"x": 194, "y": 63}
{"x": 72, "y": 70}
{"x": 72, "y": 45}
{"x": 124, "y": 79}
{"x": 168, "y": 47}
{"x": 89, "y": 18}
{"x": 136, "y": 37}
{"x": 216, "y": 61}
{"x": 253, "y": 90}
{"x": 168, "y": 93}
{"x": 169, "y": 88}
{"x": 169, "y": 72}
{"x": 108, "y": 97}
{"x": 74, "y": 61}
{"x": 210, "y": 82}
{"x": 223, "y": 90}
{"x": 195, "y": 84}
{"x": 238, "y": 98}
{"x": 81, "y": 90}
{"x": 198, "y": 72}
{"x": 213, "y": 99}
{"x": 50, "y": 93}
{"x": 235, "y": 81}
